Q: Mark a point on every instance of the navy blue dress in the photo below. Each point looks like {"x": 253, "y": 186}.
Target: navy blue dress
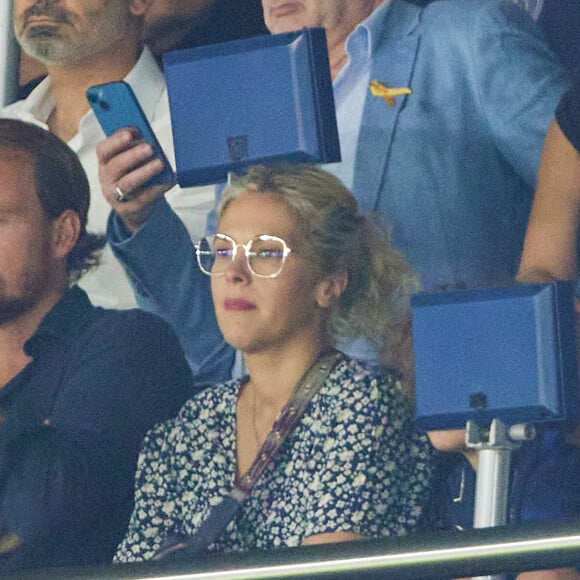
{"x": 353, "y": 463}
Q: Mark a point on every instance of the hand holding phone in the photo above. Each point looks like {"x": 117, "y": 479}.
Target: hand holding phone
{"x": 116, "y": 107}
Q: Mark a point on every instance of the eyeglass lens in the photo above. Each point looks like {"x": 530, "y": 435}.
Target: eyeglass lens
{"x": 265, "y": 255}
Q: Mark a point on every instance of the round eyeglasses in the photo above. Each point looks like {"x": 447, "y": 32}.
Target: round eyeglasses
{"x": 265, "y": 255}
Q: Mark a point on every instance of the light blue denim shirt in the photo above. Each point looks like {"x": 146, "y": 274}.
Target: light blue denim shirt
{"x": 350, "y": 89}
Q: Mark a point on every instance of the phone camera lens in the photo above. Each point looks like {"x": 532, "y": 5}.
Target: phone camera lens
{"x": 104, "y": 105}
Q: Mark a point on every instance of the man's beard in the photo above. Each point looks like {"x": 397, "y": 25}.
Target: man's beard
{"x": 42, "y": 41}
{"x": 33, "y": 286}
{"x": 174, "y": 26}
{"x": 13, "y": 308}
{"x": 58, "y": 43}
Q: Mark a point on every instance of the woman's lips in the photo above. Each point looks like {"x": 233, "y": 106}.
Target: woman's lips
{"x": 238, "y": 305}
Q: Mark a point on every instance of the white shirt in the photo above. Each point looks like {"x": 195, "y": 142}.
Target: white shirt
{"x": 107, "y": 285}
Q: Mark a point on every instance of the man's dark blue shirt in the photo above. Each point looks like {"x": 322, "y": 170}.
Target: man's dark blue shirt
{"x": 72, "y": 425}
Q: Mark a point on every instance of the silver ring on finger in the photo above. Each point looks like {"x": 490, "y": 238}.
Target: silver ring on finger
{"x": 120, "y": 195}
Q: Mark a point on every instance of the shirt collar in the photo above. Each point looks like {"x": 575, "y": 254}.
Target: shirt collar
{"x": 364, "y": 39}
{"x": 147, "y": 82}
{"x": 39, "y": 104}
{"x": 62, "y": 323}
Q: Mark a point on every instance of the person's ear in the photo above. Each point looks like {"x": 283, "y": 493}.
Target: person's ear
{"x": 140, "y": 7}
{"x": 66, "y": 229}
{"x": 330, "y": 288}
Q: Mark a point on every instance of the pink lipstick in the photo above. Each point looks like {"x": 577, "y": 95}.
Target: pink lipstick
{"x": 238, "y": 305}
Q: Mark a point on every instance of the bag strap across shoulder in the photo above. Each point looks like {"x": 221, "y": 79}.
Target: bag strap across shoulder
{"x": 179, "y": 546}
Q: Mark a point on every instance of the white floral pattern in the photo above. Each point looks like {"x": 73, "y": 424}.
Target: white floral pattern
{"x": 353, "y": 463}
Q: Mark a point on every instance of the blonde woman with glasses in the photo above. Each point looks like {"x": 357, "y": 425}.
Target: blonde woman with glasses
{"x": 310, "y": 446}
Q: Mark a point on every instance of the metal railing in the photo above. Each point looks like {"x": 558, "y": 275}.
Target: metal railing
{"x": 423, "y": 556}
{"x": 8, "y": 55}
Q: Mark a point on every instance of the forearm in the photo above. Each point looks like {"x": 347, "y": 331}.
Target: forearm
{"x": 550, "y": 246}
{"x": 161, "y": 264}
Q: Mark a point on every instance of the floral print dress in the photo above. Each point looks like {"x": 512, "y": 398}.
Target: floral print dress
{"x": 353, "y": 463}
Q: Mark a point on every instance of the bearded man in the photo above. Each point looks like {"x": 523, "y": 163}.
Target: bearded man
{"x": 89, "y": 42}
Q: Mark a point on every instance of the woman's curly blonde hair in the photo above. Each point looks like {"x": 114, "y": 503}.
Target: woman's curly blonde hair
{"x": 376, "y": 302}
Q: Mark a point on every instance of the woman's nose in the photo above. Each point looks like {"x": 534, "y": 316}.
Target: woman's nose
{"x": 237, "y": 270}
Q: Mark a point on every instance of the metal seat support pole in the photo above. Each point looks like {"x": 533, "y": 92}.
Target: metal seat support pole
{"x": 495, "y": 447}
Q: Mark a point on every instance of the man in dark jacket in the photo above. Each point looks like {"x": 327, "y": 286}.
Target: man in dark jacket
{"x": 79, "y": 385}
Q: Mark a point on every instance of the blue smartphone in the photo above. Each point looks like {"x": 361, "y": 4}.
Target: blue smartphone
{"x": 116, "y": 106}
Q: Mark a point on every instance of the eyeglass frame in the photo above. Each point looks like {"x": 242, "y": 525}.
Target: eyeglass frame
{"x": 246, "y": 247}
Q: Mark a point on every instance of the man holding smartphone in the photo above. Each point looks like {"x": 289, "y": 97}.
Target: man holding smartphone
{"x": 88, "y": 42}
